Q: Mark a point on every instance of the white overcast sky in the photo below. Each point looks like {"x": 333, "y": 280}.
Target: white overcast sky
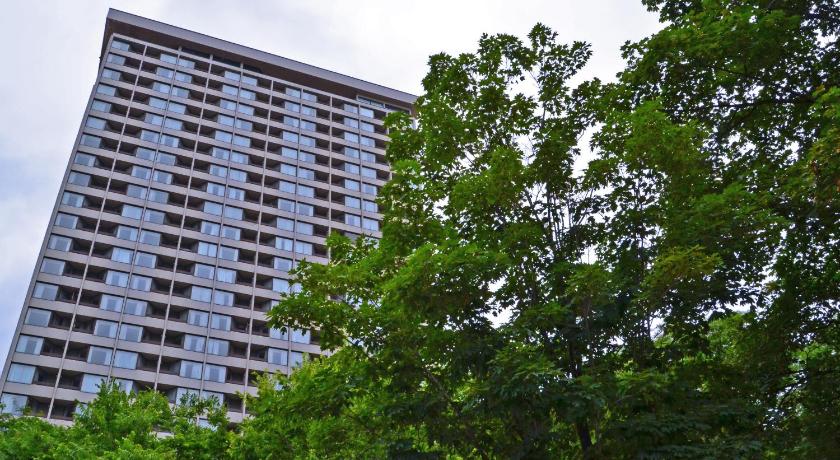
{"x": 49, "y": 53}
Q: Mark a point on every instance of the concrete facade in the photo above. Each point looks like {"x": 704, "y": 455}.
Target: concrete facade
{"x": 202, "y": 172}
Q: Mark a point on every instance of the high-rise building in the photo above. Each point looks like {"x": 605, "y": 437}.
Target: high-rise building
{"x": 202, "y": 173}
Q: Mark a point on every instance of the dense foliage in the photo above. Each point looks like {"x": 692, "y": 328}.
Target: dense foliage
{"x": 670, "y": 290}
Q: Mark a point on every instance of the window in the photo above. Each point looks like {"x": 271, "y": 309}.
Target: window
{"x": 245, "y": 94}
{"x": 91, "y": 383}
{"x": 186, "y": 63}
{"x": 249, "y": 80}
{"x": 225, "y": 275}
{"x": 161, "y": 87}
{"x": 288, "y": 169}
{"x": 231, "y": 90}
{"x": 214, "y": 373}
{"x": 365, "y": 112}
{"x": 66, "y": 220}
{"x": 217, "y": 347}
{"x": 190, "y": 370}
{"x": 370, "y": 206}
{"x": 301, "y": 336}
{"x": 52, "y": 266}
{"x": 218, "y": 171}
{"x": 157, "y": 103}
{"x": 155, "y": 217}
{"x": 115, "y": 278}
{"x": 144, "y": 259}
{"x": 240, "y": 158}
{"x": 223, "y": 298}
{"x": 73, "y": 199}
{"x": 121, "y": 255}
{"x": 21, "y": 373}
{"x": 290, "y": 137}
{"x": 153, "y": 119}
{"x": 183, "y": 77}
{"x": 207, "y": 249}
{"x": 126, "y": 233}
{"x": 144, "y": 153}
{"x": 213, "y": 208}
{"x": 351, "y": 184}
{"x": 120, "y": 45}
{"x": 89, "y": 141}
{"x": 276, "y": 356}
{"x": 141, "y": 283}
{"x": 304, "y": 228}
{"x": 106, "y": 90}
{"x": 158, "y": 196}
{"x": 197, "y": 318}
{"x": 304, "y": 248}
{"x": 170, "y": 141}
{"x": 284, "y": 244}
{"x": 291, "y": 121}
{"x": 104, "y": 328}
{"x": 279, "y": 285}
{"x": 164, "y": 72}
{"x": 234, "y": 213}
{"x": 351, "y": 152}
{"x": 369, "y": 157}
{"x": 369, "y": 189}
{"x": 60, "y": 243}
{"x": 220, "y": 153}
{"x": 99, "y": 355}
{"x": 238, "y": 175}
{"x": 351, "y": 122}
{"x": 203, "y": 271}
{"x": 125, "y": 359}
{"x": 305, "y": 190}
{"x": 111, "y": 303}
{"x": 115, "y": 59}
{"x": 285, "y": 224}
{"x": 351, "y": 137}
{"x": 368, "y": 172}
{"x": 141, "y": 172}
{"x": 296, "y": 359}
{"x": 305, "y": 209}
{"x": 172, "y": 123}
{"x": 282, "y": 264}
{"x": 29, "y": 345}
{"x": 223, "y": 136}
{"x": 308, "y": 111}
{"x": 306, "y": 157}
{"x": 244, "y": 125}
{"x": 224, "y": 120}
{"x": 101, "y": 106}
{"x": 220, "y": 322}
{"x": 309, "y": 141}
{"x": 281, "y": 334}
{"x": 131, "y": 333}
{"x": 352, "y": 219}
{"x": 286, "y": 205}
{"x": 304, "y": 173}
{"x": 95, "y": 123}
{"x": 351, "y": 108}
{"x": 13, "y": 404}
{"x": 209, "y": 228}
{"x": 45, "y": 291}
{"x": 194, "y": 343}
{"x": 351, "y": 168}
{"x": 37, "y": 317}
{"x": 231, "y": 233}
{"x": 366, "y": 127}
{"x": 352, "y": 202}
{"x": 175, "y": 107}
{"x": 135, "y": 191}
{"x": 136, "y": 307}
{"x": 227, "y": 104}
{"x": 286, "y": 187}
{"x": 231, "y": 75}
{"x": 149, "y": 237}
{"x": 228, "y": 253}
{"x": 180, "y": 92}
{"x": 368, "y": 142}
{"x": 370, "y": 224}
{"x": 201, "y": 294}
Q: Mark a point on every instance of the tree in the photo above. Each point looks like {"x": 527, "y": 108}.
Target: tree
{"x": 674, "y": 295}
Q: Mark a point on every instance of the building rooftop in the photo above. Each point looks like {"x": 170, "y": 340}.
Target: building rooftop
{"x": 120, "y": 22}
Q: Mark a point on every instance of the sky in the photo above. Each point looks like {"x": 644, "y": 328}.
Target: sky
{"x": 49, "y": 50}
